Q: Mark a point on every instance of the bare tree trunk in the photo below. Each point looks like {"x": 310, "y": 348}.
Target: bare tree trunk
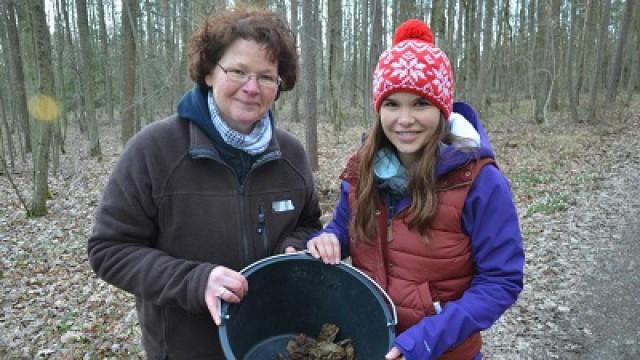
{"x": 573, "y": 104}
{"x": 487, "y": 58}
{"x": 17, "y": 74}
{"x": 587, "y": 34}
{"x": 79, "y": 98}
{"x": 634, "y": 73}
{"x": 127, "y": 109}
{"x": 451, "y": 50}
{"x": 295, "y": 113}
{"x": 335, "y": 61}
{"x": 356, "y": 53}
{"x": 602, "y": 48}
{"x": 185, "y": 30}
{"x": 531, "y": 40}
{"x": 438, "y": 21}
{"x": 541, "y": 73}
{"x": 365, "y": 59}
{"x": 45, "y": 103}
{"x": 459, "y": 71}
{"x": 104, "y": 42}
{"x": 616, "y": 67}
{"x": 375, "y": 49}
{"x": 87, "y": 78}
{"x": 555, "y": 60}
{"x": 5, "y": 126}
{"x": 470, "y": 50}
{"x": 309, "y": 56}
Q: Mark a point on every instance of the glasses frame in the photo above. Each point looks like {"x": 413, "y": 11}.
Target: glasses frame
{"x": 248, "y": 77}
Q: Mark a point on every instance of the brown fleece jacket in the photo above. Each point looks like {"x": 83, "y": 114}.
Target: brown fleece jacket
{"x": 173, "y": 209}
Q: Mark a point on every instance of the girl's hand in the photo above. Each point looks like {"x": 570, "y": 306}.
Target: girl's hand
{"x": 394, "y": 354}
{"x": 326, "y": 247}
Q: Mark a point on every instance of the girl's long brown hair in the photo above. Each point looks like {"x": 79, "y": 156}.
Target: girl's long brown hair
{"x": 422, "y": 186}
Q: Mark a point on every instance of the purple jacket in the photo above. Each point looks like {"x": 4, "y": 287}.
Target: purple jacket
{"x": 489, "y": 218}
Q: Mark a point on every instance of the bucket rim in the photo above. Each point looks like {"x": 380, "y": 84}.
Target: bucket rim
{"x": 379, "y": 293}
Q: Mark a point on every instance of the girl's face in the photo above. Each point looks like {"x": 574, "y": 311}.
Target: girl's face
{"x": 409, "y": 122}
{"x": 243, "y": 102}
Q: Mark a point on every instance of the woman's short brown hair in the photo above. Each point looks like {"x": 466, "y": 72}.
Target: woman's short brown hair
{"x": 211, "y": 40}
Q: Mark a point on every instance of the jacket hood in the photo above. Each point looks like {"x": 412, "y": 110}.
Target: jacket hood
{"x": 193, "y": 107}
{"x": 451, "y": 158}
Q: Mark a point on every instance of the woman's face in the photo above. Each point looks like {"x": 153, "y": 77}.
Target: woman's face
{"x": 409, "y": 122}
{"x": 242, "y": 103}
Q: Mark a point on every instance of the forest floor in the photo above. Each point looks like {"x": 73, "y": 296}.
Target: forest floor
{"x": 575, "y": 186}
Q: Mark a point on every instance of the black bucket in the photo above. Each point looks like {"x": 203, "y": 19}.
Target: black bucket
{"x": 295, "y": 293}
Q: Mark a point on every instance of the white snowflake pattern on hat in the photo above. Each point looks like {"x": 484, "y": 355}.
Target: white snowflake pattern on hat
{"x": 408, "y": 69}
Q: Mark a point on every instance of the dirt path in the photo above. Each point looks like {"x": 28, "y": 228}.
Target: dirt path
{"x": 606, "y": 323}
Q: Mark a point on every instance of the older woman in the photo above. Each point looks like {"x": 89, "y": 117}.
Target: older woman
{"x": 201, "y": 194}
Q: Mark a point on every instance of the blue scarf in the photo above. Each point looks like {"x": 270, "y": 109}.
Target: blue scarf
{"x": 390, "y": 172}
{"x": 256, "y": 142}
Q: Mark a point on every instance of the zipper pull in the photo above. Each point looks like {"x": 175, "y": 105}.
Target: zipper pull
{"x": 437, "y": 307}
{"x": 260, "y": 227}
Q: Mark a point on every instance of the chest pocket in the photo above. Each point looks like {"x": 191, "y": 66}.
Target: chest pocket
{"x": 276, "y": 217}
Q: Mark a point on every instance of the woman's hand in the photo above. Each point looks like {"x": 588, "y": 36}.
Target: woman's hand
{"x": 326, "y": 247}
{"x": 394, "y": 354}
{"x": 224, "y": 284}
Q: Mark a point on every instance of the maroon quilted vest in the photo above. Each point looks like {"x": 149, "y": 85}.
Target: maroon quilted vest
{"x": 417, "y": 275}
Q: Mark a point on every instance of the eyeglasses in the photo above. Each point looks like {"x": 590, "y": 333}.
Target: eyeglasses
{"x": 241, "y": 77}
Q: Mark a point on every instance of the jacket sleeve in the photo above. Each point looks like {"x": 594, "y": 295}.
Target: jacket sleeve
{"x": 339, "y": 225}
{"x": 309, "y": 221}
{"x": 490, "y": 219}
{"x": 121, "y": 248}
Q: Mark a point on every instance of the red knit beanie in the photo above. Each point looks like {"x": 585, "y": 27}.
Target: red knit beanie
{"x": 414, "y": 64}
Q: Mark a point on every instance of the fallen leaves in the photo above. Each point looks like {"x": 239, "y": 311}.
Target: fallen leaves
{"x": 53, "y": 306}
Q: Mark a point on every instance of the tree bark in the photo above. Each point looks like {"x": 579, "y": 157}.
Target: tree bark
{"x": 587, "y": 34}
{"x": 17, "y": 74}
{"x": 309, "y": 63}
{"x": 44, "y": 105}
{"x": 335, "y": 60}
{"x": 573, "y": 105}
{"x": 541, "y": 72}
{"x": 487, "y": 58}
{"x": 127, "y": 109}
{"x": 106, "y": 65}
{"x": 616, "y": 67}
{"x": 601, "y": 50}
{"x": 555, "y": 49}
{"x": 295, "y": 113}
{"x": 375, "y": 50}
{"x": 87, "y": 78}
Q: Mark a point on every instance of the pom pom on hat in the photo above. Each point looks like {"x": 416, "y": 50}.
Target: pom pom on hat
{"x": 414, "y": 64}
{"x": 413, "y": 29}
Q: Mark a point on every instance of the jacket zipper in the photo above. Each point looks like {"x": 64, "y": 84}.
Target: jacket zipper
{"x": 243, "y": 221}
{"x": 390, "y": 215}
{"x": 268, "y": 157}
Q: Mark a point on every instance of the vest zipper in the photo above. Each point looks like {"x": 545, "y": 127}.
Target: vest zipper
{"x": 390, "y": 215}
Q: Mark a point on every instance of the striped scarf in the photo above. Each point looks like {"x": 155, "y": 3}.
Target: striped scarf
{"x": 256, "y": 142}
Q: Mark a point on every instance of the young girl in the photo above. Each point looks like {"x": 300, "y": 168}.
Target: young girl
{"x": 425, "y": 211}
